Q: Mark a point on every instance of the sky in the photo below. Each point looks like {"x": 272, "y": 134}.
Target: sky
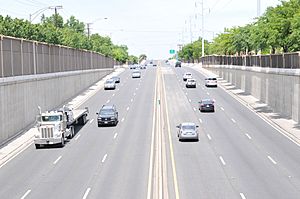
{"x": 151, "y": 27}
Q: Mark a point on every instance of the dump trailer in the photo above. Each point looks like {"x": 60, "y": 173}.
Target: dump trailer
{"x": 54, "y": 127}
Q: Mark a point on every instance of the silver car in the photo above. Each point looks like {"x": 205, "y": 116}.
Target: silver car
{"x": 190, "y": 83}
{"x": 136, "y": 74}
{"x": 110, "y": 84}
{"x": 187, "y": 131}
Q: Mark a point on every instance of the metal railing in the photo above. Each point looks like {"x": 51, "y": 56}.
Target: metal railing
{"x": 24, "y": 57}
{"x": 286, "y": 60}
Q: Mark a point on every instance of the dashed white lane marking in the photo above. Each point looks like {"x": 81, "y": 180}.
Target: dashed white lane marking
{"x": 272, "y": 160}
{"x": 115, "y": 136}
{"x": 122, "y": 119}
{"x": 209, "y": 137}
{"x": 200, "y": 120}
{"x": 195, "y": 109}
{"x": 91, "y": 121}
{"x": 104, "y": 158}
{"x": 248, "y": 136}
{"x": 113, "y": 94}
{"x": 26, "y": 194}
{"x": 131, "y": 100}
{"x": 233, "y": 120}
{"x": 207, "y": 93}
{"x": 76, "y": 138}
{"x": 190, "y": 100}
{"x": 86, "y": 193}
{"x": 222, "y": 108}
{"x": 134, "y": 93}
{"x": 222, "y": 160}
{"x": 186, "y": 93}
{"x": 136, "y": 88}
{"x": 127, "y": 108}
{"x": 107, "y": 101}
{"x": 242, "y": 196}
{"x": 56, "y": 161}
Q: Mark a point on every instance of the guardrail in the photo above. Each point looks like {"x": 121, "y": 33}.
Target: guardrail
{"x": 24, "y": 57}
{"x": 286, "y": 60}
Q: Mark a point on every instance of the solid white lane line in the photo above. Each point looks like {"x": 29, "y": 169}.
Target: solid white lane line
{"x": 26, "y": 194}
{"x": 200, "y": 120}
{"x": 56, "y": 161}
{"x": 242, "y": 196}
{"x": 248, "y": 136}
{"x": 104, "y": 158}
{"x": 272, "y": 160}
{"x": 222, "y": 160}
{"x": 209, "y": 137}
{"x": 91, "y": 121}
{"x": 233, "y": 120}
{"x": 123, "y": 119}
{"x": 107, "y": 101}
{"x": 115, "y": 136}
{"x": 76, "y": 138}
{"x": 86, "y": 193}
{"x": 222, "y": 108}
{"x": 127, "y": 108}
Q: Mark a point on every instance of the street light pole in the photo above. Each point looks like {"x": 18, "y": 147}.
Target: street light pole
{"x": 36, "y": 13}
{"x": 88, "y": 25}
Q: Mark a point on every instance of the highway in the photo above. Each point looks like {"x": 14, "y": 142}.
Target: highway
{"x": 239, "y": 155}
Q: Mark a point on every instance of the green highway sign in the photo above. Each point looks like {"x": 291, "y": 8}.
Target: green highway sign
{"x": 172, "y": 51}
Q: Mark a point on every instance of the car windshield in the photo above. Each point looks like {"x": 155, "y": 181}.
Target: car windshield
{"x": 188, "y": 74}
{"x": 110, "y": 81}
{"x": 191, "y": 80}
{"x": 52, "y": 118}
{"x": 106, "y": 111}
{"x": 188, "y": 127}
{"x": 207, "y": 101}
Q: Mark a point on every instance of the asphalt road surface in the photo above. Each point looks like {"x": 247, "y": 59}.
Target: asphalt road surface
{"x": 238, "y": 155}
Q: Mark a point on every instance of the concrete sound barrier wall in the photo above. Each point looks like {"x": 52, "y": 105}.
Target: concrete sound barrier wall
{"x": 278, "y": 88}
{"x": 20, "y": 96}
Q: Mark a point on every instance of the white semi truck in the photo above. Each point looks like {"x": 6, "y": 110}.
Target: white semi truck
{"x": 53, "y": 127}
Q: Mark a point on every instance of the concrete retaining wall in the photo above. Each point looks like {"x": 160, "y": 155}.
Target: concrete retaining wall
{"x": 20, "y": 96}
{"x": 279, "y": 88}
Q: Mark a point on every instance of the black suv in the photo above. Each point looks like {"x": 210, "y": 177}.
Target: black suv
{"x": 108, "y": 115}
{"x": 178, "y": 64}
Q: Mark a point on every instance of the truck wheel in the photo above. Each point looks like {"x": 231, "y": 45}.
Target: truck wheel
{"x": 37, "y": 146}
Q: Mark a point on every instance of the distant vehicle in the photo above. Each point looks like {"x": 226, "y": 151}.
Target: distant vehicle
{"x": 116, "y": 79}
{"x": 154, "y": 65}
{"x": 207, "y": 105}
{"x": 143, "y": 66}
{"x": 187, "y": 131}
{"x": 136, "y": 74}
{"x": 132, "y": 67}
{"x": 191, "y": 83}
{"x": 211, "y": 82}
{"x": 187, "y": 76}
{"x": 150, "y": 65}
{"x": 178, "y": 64}
{"x": 110, "y": 84}
{"x": 53, "y": 127}
{"x": 108, "y": 115}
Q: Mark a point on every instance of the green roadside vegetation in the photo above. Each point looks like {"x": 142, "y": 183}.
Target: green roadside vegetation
{"x": 276, "y": 31}
{"x": 54, "y": 30}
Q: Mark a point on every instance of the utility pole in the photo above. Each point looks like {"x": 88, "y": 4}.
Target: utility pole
{"x": 88, "y": 29}
{"x": 258, "y": 8}
{"x": 202, "y": 28}
{"x": 55, "y": 16}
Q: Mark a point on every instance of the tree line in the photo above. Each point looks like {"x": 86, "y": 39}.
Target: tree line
{"x": 54, "y": 30}
{"x": 276, "y": 31}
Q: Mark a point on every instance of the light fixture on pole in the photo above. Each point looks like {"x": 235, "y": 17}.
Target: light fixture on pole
{"x": 38, "y": 12}
{"x": 88, "y": 25}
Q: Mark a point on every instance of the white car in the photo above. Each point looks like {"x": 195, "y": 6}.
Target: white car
{"x": 136, "y": 74}
{"x": 191, "y": 83}
{"x": 187, "y": 76}
{"x": 211, "y": 82}
{"x": 187, "y": 131}
{"x": 110, "y": 84}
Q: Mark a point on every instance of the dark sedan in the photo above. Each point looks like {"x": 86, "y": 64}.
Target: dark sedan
{"x": 207, "y": 105}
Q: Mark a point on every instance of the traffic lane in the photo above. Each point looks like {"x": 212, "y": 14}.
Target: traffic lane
{"x": 266, "y": 137}
{"x": 88, "y": 155}
{"x": 238, "y": 134}
{"x": 125, "y": 172}
{"x": 199, "y": 171}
